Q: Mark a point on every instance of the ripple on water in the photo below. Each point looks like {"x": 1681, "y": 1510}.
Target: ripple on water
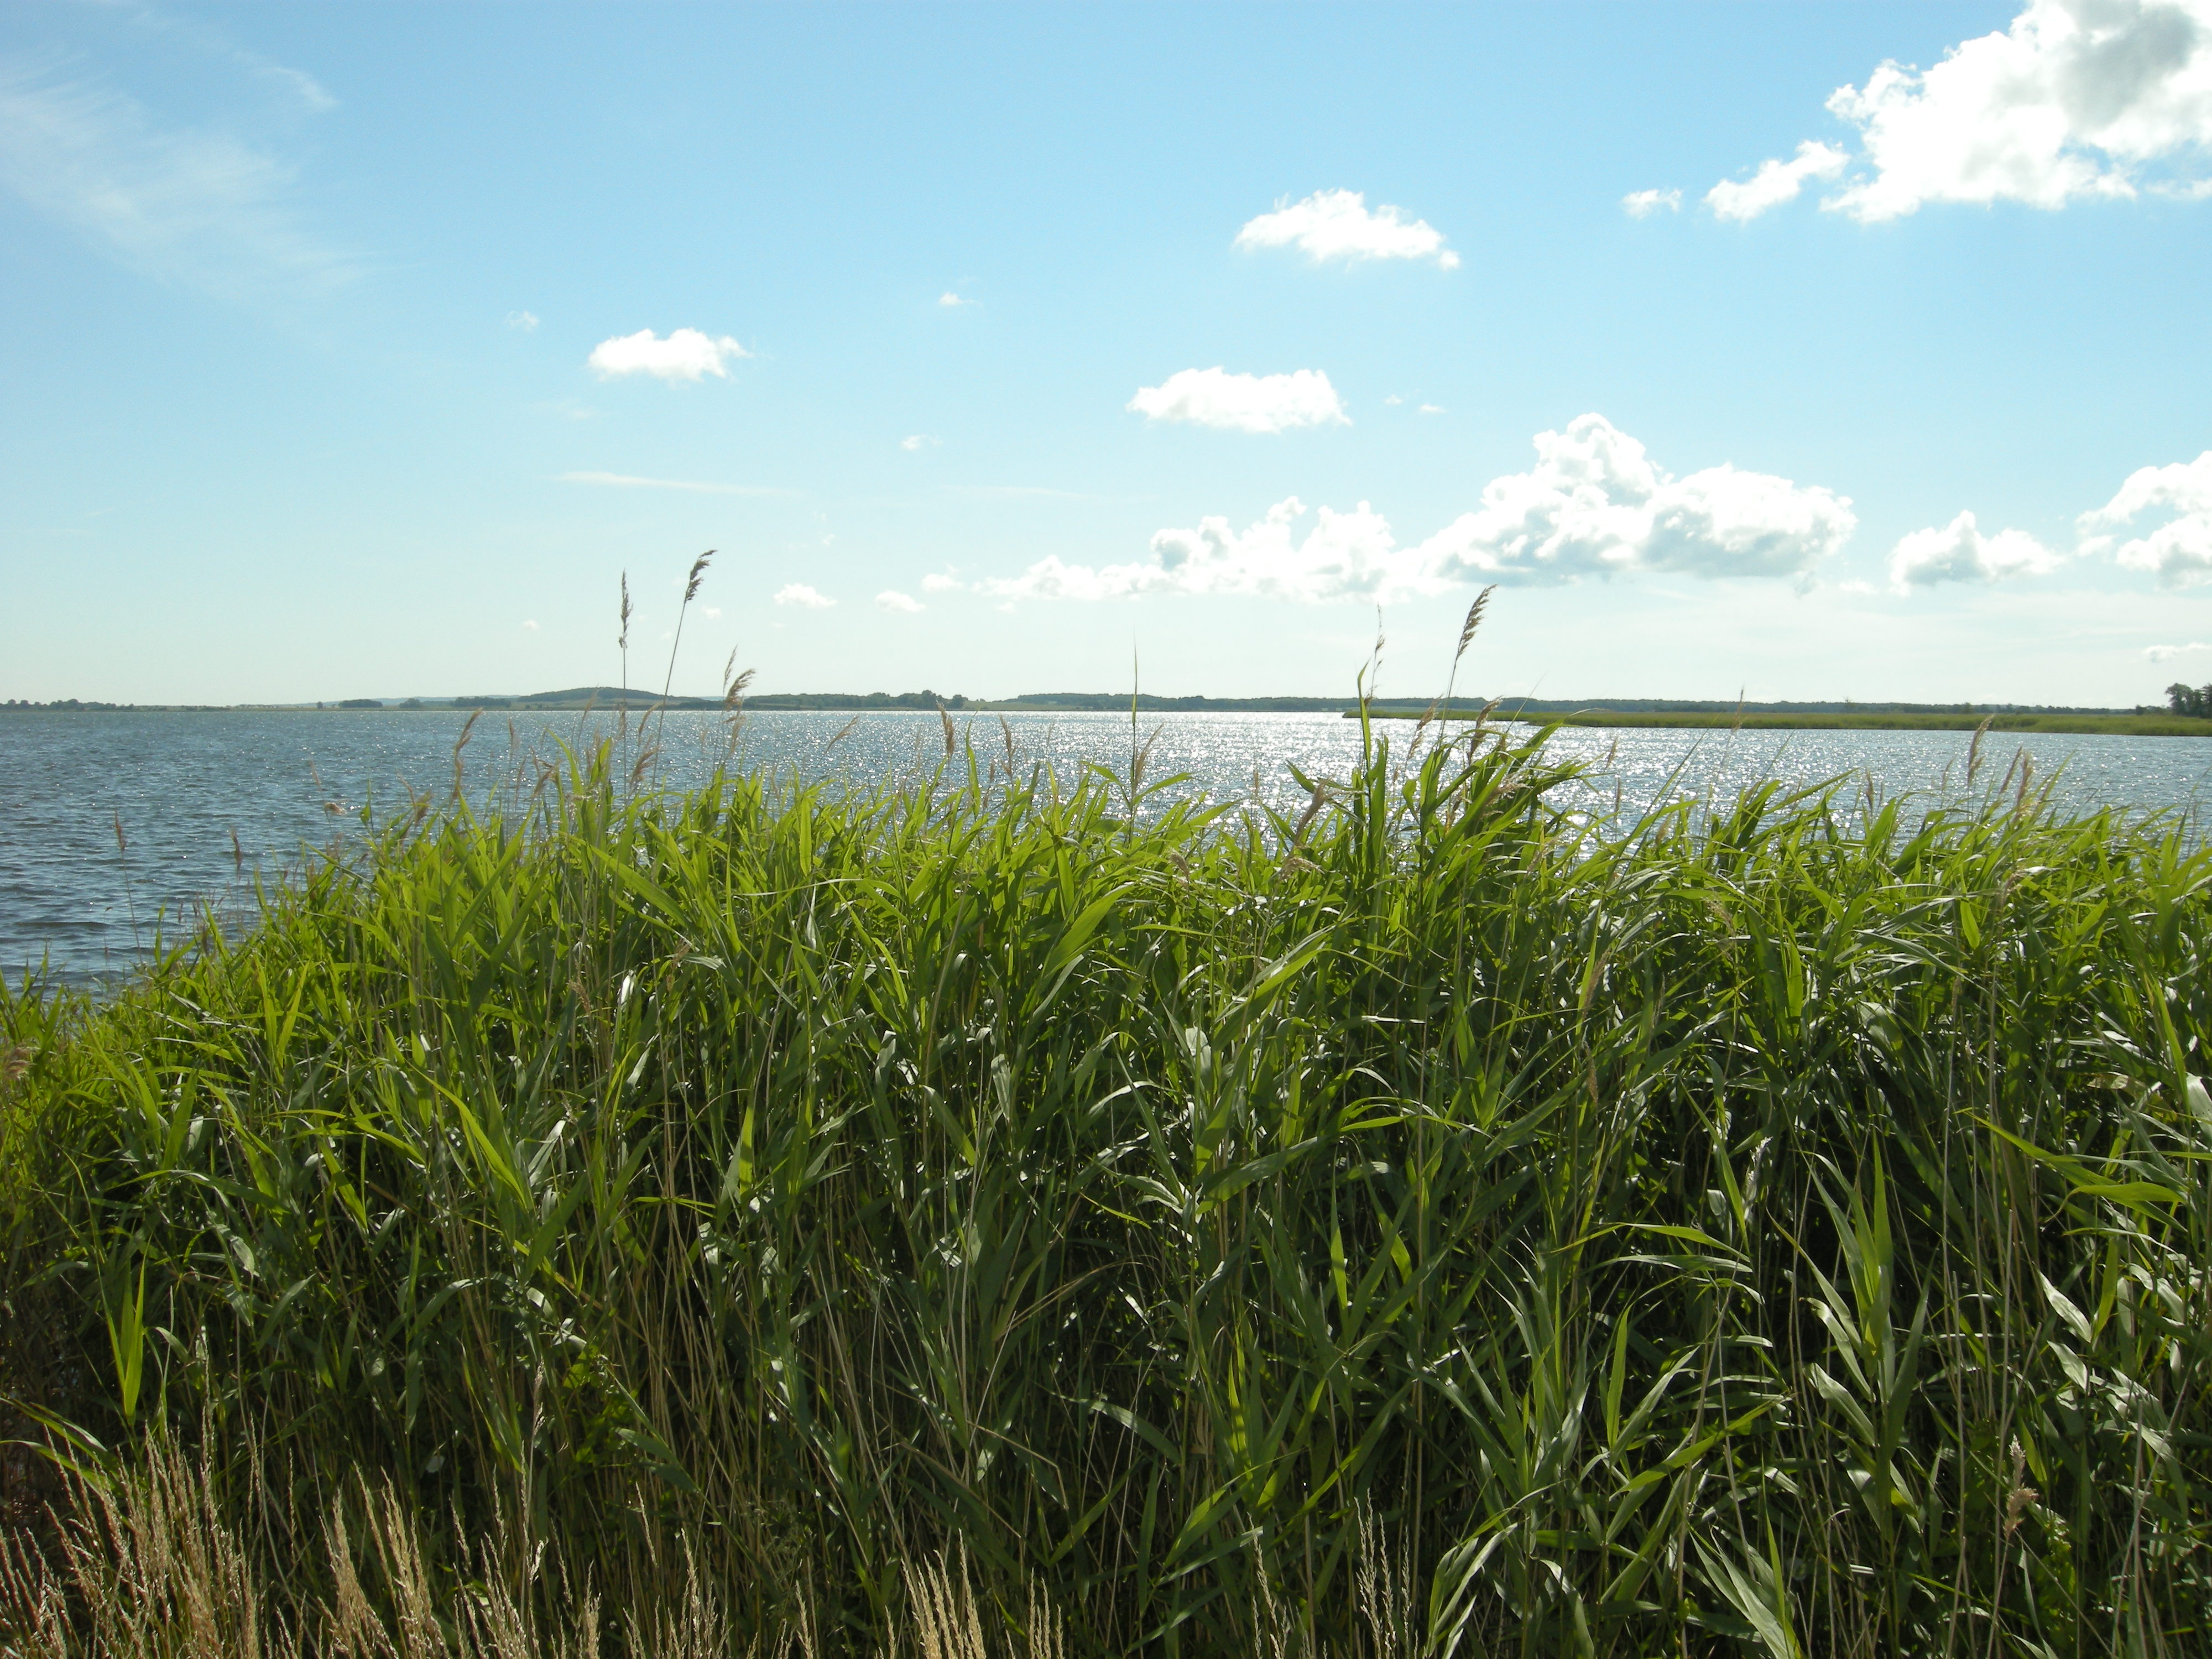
{"x": 181, "y": 785}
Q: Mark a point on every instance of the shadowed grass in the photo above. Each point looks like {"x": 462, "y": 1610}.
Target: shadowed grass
{"x": 1414, "y": 1224}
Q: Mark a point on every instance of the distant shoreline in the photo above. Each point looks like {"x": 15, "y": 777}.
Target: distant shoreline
{"x": 2089, "y": 724}
{"x": 1582, "y": 711}
{"x": 1621, "y": 713}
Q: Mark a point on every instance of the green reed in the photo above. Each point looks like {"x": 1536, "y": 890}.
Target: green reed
{"x": 1416, "y": 1224}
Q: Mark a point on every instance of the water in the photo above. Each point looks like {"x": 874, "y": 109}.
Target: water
{"x": 115, "y": 826}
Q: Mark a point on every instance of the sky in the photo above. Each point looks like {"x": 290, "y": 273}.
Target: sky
{"x": 1785, "y": 351}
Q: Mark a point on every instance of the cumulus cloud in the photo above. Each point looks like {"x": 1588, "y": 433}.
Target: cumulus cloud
{"x": 523, "y": 322}
{"x": 1594, "y": 505}
{"x": 949, "y": 298}
{"x": 685, "y": 354}
{"x": 2179, "y": 552}
{"x": 799, "y": 594}
{"x": 1336, "y": 224}
{"x": 1775, "y": 182}
{"x": 940, "y": 581}
{"x": 1242, "y": 402}
{"x": 2074, "y": 99}
{"x": 2168, "y": 652}
{"x": 1343, "y": 554}
{"x": 891, "y": 600}
{"x": 1643, "y": 204}
{"x": 1959, "y": 552}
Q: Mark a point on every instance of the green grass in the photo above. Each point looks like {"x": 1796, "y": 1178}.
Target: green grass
{"x": 1784, "y": 1233}
{"x": 2135, "y": 726}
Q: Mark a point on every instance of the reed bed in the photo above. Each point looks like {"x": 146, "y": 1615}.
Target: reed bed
{"x": 1008, "y": 1217}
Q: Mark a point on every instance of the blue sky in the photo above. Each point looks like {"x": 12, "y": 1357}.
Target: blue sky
{"x": 360, "y": 351}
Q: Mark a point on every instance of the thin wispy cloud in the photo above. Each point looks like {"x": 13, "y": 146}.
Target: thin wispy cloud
{"x": 1643, "y": 204}
{"x": 629, "y": 481}
{"x": 311, "y": 94}
{"x": 1337, "y": 224}
{"x": 941, "y": 581}
{"x": 2168, "y": 652}
{"x": 919, "y": 440}
{"x": 685, "y": 354}
{"x": 1242, "y": 402}
{"x": 1020, "y": 492}
{"x": 891, "y": 600}
{"x": 2075, "y": 99}
{"x": 193, "y": 205}
{"x": 523, "y": 322}
{"x": 1594, "y": 505}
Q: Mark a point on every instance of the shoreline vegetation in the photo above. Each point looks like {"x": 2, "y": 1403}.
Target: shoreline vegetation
{"x": 993, "y": 1217}
{"x": 1623, "y": 712}
{"x": 1756, "y": 717}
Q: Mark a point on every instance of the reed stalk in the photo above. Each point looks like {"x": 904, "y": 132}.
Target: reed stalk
{"x": 1068, "y": 1218}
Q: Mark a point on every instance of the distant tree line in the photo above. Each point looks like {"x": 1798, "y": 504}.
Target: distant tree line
{"x": 2192, "y": 700}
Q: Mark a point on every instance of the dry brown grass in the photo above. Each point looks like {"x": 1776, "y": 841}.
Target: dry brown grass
{"x": 145, "y": 1563}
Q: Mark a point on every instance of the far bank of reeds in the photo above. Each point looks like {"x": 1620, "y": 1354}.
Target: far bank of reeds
{"x": 997, "y": 1217}
{"x": 2138, "y": 725}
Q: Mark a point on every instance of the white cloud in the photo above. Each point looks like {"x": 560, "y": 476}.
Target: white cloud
{"x": 1643, "y": 204}
{"x": 195, "y": 207}
{"x": 799, "y": 594}
{"x": 941, "y": 581}
{"x": 685, "y": 354}
{"x": 1242, "y": 402}
{"x": 1336, "y": 224}
{"x": 1959, "y": 552}
{"x": 1775, "y": 182}
{"x": 530, "y": 626}
{"x": 1434, "y": 409}
{"x": 1344, "y": 555}
{"x": 1394, "y": 400}
{"x": 628, "y": 481}
{"x": 2168, "y": 652}
{"x": 892, "y": 600}
{"x": 919, "y": 440}
{"x": 2074, "y": 99}
{"x": 949, "y": 298}
{"x": 712, "y": 612}
{"x": 2178, "y": 552}
{"x": 525, "y": 322}
{"x": 1594, "y": 505}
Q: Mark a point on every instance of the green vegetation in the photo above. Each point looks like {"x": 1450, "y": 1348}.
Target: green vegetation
{"x": 2194, "y": 701}
{"x": 2138, "y": 725}
{"x": 1407, "y": 1225}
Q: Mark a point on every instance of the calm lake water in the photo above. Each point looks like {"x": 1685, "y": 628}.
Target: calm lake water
{"x": 205, "y": 804}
